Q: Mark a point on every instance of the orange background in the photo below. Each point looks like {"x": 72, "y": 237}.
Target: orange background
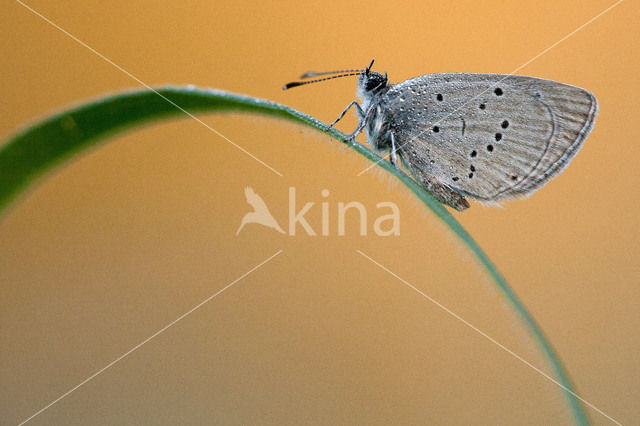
{"x": 115, "y": 245}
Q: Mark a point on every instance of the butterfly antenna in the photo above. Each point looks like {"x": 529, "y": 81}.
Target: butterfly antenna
{"x": 366, "y": 71}
{"x": 316, "y": 74}
{"x": 301, "y": 83}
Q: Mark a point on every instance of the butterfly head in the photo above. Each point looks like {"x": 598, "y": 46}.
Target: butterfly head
{"x": 371, "y": 82}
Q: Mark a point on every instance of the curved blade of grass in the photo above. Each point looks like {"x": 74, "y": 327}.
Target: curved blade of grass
{"x": 39, "y": 147}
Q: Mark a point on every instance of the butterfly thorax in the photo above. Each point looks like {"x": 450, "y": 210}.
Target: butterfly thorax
{"x": 372, "y": 89}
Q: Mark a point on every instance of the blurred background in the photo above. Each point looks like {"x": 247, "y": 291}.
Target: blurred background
{"x": 113, "y": 246}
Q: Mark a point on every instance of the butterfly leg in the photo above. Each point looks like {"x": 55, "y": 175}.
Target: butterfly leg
{"x": 358, "y": 110}
{"x": 393, "y": 156}
{"x": 363, "y": 121}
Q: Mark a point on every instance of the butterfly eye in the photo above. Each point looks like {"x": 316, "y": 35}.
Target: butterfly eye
{"x": 373, "y": 82}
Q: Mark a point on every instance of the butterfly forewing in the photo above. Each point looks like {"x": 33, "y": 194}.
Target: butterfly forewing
{"x": 489, "y": 136}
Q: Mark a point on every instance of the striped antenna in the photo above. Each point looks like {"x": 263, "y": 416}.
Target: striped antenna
{"x": 315, "y": 74}
{"x": 301, "y": 83}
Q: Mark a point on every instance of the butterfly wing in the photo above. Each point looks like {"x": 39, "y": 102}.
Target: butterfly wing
{"x": 489, "y": 136}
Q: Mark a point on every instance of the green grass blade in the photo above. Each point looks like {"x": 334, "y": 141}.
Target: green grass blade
{"x": 39, "y": 147}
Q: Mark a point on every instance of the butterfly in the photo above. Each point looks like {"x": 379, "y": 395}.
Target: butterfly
{"x": 487, "y": 137}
